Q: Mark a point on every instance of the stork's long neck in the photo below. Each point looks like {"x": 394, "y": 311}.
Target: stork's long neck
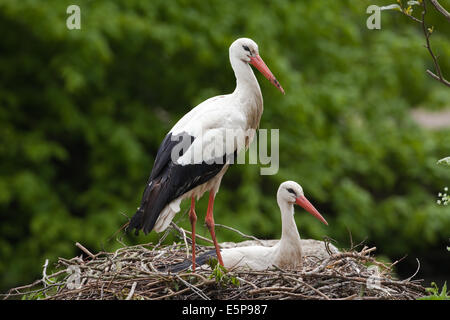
{"x": 245, "y": 78}
{"x": 247, "y": 92}
{"x": 289, "y": 232}
{"x": 288, "y": 250}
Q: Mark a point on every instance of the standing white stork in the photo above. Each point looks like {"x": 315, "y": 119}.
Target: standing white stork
{"x": 286, "y": 253}
{"x": 175, "y": 176}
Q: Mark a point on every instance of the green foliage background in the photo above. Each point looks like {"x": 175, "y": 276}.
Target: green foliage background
{"x": 82, "y": 114}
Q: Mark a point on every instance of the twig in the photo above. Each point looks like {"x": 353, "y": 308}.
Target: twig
{"x": 441, "y": 79}
{"x": 185, "y": 242}
{"x": 44, "y": 274}
{"x": 441, "y": 9}
{"x": 351, "y": 237}
{"x": 190, "y": 233}
{"x": 130, "y": 294}
{"x": 194, "y": 288}
{"x": 412, "y": 17}
{"x": 311, "y": 287}
{"x": 84, "y": 250}
{"x": 327, "y": 242}
{"x": 269, "y": 289}
{"x": 183, "y": 233}
{"x": 417, "y": 270}
{"x": 397, "y": 261}
{"x": 239, "y": 232}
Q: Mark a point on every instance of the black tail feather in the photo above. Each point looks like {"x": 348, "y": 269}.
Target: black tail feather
{"x": 154, "y": 199}
{"x": 136, "y": 222}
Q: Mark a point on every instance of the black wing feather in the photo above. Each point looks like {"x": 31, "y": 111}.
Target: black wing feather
{"x": 199, "y": 261}
{"x": 168, "y": 181}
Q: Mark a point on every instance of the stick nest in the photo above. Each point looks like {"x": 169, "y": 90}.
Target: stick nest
{"x": 132, "y": 272}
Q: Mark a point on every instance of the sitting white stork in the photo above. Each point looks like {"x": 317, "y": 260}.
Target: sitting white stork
{"x": 286, "y": 253}
{"x": 181, "y": 169}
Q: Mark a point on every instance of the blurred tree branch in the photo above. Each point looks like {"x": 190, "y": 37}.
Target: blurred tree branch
{"x": 427, "y": 31}
{"x": 441, "y": 9}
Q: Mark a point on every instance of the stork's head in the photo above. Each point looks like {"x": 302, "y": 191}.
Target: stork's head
{"x": 292, "y": 193}
{"x": 246, "y": 49}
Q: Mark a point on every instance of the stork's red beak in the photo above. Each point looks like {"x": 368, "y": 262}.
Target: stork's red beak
{"x": 259, "y": 64}
{"x": 305, "y": 204}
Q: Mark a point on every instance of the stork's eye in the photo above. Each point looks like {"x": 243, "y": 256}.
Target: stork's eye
{"x": 246, "y": 48}
{"x": 291, "y": 191}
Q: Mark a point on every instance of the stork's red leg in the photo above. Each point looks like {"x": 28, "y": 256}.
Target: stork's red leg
{"x": 193, "y": 219}
{"x": 210, "y": 224}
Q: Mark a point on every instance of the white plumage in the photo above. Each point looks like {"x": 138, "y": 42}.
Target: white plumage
{"x": 190, "y": 174}
{"x": 286, "y": 253}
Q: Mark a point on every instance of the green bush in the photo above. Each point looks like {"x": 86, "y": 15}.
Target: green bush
{"x": 82, "y": 113}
